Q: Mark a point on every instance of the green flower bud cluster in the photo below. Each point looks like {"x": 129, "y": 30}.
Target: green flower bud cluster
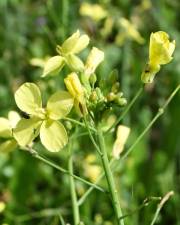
{"x": 114, "y": 96}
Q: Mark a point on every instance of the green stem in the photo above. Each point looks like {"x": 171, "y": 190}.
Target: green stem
{"x": 35, "y": 154}
{"x": 126, "y": 109}
{"x": 109, "y": 177}
{"x": 75, "y": 206}
{"x": 159, "y": 113}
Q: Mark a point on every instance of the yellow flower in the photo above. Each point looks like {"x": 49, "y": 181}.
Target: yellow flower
{"x": 160, "y": 53}
{"x": 94, "y": 11}
{"x": 7, "y": 142}
{"x": 95, "y": 57}
{"x": 75, "y": 88}
{"x": 67, "y": 55}
{"x": 122, "y": 136}
{"x": 43, "y": 121}
{"x": 130, "y": 31}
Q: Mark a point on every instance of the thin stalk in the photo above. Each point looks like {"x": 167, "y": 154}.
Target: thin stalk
{"x": 109, "y": 177}
{"x": 143, "y": 205}
{"x": 36, "y": 155}
{"x": 61, "y": 219}
{"x": 35, "y": 215}
{"x": 158, "y": 114}
{"x": 79, "y": 123}
{"x": 75, "y": 206}
{"x": 113, "y": 161}
{"x": 128, "y": 107}
{"x": 160, "y": 205}
{"x": 91, "y": 137}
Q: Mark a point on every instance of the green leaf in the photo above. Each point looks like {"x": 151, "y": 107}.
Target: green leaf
{"x": 59, "y": 105}
{"x": 28, "y": 98}
{"x": 53, "y": 135}
{"x": 53, "y": 66}
{"x": 27, "y": 130}
{"x": 5, "y": 128}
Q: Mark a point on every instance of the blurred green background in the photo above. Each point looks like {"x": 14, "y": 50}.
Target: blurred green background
{"x": 32, "y": 29}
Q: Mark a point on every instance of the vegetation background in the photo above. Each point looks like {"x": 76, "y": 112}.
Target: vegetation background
{"x": 32, "y": 191}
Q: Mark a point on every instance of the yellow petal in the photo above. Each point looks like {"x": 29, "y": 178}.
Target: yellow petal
{"x": 26, "y": 131}
{"x": 53, "y": 135}
{"x": 160, "y": 48}
{"x": 14, "y": 118}
{"x": 53, "y": 66}
{"x": 74, "y": 63}
{"x": 81, "y": 44}
{"x": 59, "y": 105}
{"x": 95, "y": 57}
{"x": 8, "y": 146}
{"x": 70, "y": 43}
{"x": 28, "y": 98}
{"x": 5, "y": 128}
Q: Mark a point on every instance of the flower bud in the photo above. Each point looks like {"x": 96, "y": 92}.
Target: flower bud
{"x": 121, "y": 101}
{"x": 111, "y": 97}
{"x": 93, "y": 79}
{"x": 115, "y": 87}
{"x": 73, "y": 85}
{"x": 122, "y": 136}
{"x": 75, "y": 88}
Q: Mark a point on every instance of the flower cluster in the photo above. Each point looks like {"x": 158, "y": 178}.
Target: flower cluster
{"x": 83, "y": 93}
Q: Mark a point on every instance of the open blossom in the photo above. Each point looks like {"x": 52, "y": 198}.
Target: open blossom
{"x": 160, "y": 53}
{"x": 94, "y": 58}
{"x": 7, "y": 142}
{"x": 67, "y": 55}
{"x": 43, "y": 121}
